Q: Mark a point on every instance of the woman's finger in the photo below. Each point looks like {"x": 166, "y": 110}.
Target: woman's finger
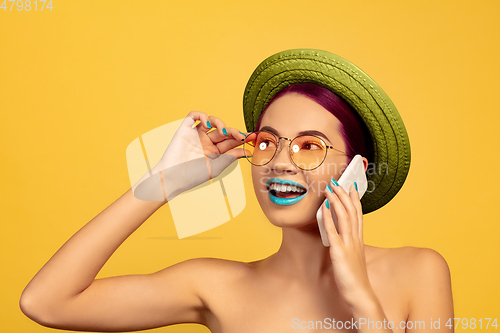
{"x": 220, "y": 133}
{"x": 354, "y": 194}
{"x": 237, "y": 152}
{"x": 331, "y": 231}
{"x": 343, "y": 220}
{"x": 234, "y": 139}
{"x": 224, "y": 138}
{"x": 348, "y": 205}
{"x": 203, "y": 126}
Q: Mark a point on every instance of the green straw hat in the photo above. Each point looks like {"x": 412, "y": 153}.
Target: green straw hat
{"x": 391, "y": 144}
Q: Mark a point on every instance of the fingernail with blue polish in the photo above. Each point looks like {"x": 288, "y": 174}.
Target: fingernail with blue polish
{"x": 208, "y": 125}
{"x": 224, "y": 131}
{"x": 334, "y": 182}
{"x": 329, "y": 188}
{"x": 356, "y": 186}
{"x": 327, "y": 204}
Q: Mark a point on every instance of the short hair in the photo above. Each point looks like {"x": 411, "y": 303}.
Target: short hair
{"x": 356, "y": 136}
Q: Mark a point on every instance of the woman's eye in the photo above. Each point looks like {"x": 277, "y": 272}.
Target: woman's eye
{"x": 311, "y": 146}
{"x": 265, "y": 144}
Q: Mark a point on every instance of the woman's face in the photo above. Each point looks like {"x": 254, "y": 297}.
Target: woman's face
{"x": 286, "y": 117}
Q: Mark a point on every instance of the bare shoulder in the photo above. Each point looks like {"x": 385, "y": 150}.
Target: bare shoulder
{"x": 410, "y": 259}
{"x": 207, "y": 275}
{"x": 214, "y": 266}
{"x": 425, "y": 266}
{"x": 214, "y": 282}
{"x": 420, "y": 276}
{"x": 408, "y": 266}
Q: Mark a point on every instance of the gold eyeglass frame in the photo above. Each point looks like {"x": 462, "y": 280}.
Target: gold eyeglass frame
{"x": 278, "y": 149}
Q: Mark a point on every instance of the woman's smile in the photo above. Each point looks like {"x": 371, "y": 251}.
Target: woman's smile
{"x": 285, "y": 192}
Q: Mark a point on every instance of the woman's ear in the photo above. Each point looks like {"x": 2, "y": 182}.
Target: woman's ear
{"x": 365, "y": 163}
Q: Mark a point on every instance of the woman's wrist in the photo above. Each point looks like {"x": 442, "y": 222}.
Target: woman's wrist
{"x": 364, "y": 304}
{"x": 148, "y": 204}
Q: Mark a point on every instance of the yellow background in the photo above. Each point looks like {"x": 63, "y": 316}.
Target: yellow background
{"x": 78, "y": 84}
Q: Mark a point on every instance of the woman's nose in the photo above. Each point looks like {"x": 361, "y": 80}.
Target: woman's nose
{"x": 281, "y": 160}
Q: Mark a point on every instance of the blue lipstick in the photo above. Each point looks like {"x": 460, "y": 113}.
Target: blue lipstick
{"x": 284, "y": 201}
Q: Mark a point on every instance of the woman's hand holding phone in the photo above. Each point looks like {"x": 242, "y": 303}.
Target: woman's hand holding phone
{"x": 347, "y": 251}
{"x": 194, "y": 156}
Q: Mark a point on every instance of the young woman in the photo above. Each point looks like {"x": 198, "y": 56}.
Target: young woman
{"x": 305, "y": 135}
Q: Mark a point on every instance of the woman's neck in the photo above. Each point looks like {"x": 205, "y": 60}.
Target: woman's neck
{"x": 302, "y": 254}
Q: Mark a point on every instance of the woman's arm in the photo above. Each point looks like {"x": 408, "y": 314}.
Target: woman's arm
{"x": 431, "y": 305}
{"x": 64, "y": 294}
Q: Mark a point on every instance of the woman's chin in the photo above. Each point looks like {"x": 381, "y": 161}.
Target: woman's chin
{"x": 289, "y": 212}
{"x": 291, "y": 219}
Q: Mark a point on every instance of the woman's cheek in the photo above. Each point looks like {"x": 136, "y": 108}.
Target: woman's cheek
{"x": 259, "y": 180}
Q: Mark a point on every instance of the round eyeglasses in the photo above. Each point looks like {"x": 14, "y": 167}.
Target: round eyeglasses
{"x": 307, "y": 152}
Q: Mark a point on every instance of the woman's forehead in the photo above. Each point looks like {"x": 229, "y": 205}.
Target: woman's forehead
{"x": 293, "y": 114}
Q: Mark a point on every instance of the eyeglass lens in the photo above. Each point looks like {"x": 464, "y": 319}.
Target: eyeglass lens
{"x": 307, "y": 152}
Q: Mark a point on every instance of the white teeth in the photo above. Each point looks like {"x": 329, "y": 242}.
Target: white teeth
{"x": 285, "y": 188}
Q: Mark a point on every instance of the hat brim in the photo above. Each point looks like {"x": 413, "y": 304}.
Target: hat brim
{"x": 391, "y": 144}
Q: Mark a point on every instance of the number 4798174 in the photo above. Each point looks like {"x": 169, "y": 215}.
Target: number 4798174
{"x": 26, "y": 5}
{"x": 472, "y": 323}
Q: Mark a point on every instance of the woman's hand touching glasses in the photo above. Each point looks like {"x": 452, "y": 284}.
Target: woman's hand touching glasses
{"x": 195, "y": 155}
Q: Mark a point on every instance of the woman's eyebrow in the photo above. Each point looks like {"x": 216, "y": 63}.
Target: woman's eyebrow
{"x": 308, "y": 132}
{"x": 269, "y": 129}
{"x": 313, "y": 132}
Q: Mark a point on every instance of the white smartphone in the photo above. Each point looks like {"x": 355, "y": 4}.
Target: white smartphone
{"x": 355, "y": 172}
